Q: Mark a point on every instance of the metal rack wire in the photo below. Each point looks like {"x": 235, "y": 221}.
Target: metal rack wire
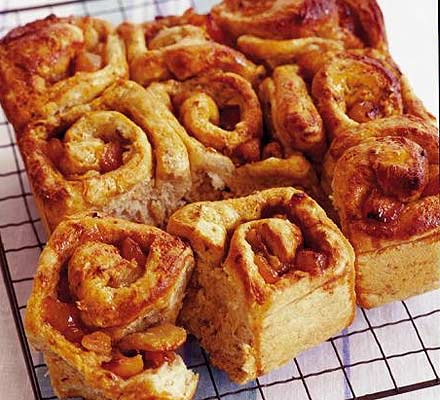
{"x": 369, "y": 346}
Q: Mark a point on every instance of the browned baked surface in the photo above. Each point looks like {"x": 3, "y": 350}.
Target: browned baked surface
{"x": 413, "y": 128}
{"x": 142, "y": 153}
{"x": 291, "y": 114}
{"x": 394, "y": 191}
{"x": 181, "y": 48}
{"x": 50, "y": 65}
{"x": 333, "y": 84}
{"x": 356, "y": 23}
{"x": 105, "y": 296}
{"x": 274, "y": 276}
{"x": 256, "y": 95}
{"x": 394, "y": 205}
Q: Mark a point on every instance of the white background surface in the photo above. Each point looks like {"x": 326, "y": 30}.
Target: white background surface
{"x": 412, "y": 31}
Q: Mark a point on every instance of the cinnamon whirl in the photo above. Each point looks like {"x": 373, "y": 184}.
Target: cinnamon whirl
{"x": 392, "y": 217}
{"x": 353, "y": 89}
{"x": 226, "y": 159}
{"x": 306, "y": 33}
{"x": 231, "y": 104}
{"x": 128, "y": 152}
{"x": 180, "y": 48}
{"x": 244, "y": 112}
{"x": 274, "y": 276}
{"x": 105, "y": 297}
{"x": 108, "y": 155}
{"x": 408, "y": 126}
{"x": 90, "y": 162}
{"x": 50, "y": 65}
{"x": 355, "y": 23}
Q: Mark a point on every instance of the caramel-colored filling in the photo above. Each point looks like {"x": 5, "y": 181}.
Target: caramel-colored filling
{"x": 311, "y": 261}
{"x": 381, "y": 208}
{"x": 86, "y": 61}
{"x": 64, "y": 317}
{"x": 248, "y": 151}
{"x": 132, "y": 354}
{"x": 131, "y": 250}
{"x": 279, "y": 248}
{"x": 109, "y": 155}
{"x": 128, "y": 366}
{"x": 272, "y": 149}
{"x": 153, "y": 347}
{"x": 111, "y": 158}
{"x": 125, "y": 367}
{"x": 364, "y": 111}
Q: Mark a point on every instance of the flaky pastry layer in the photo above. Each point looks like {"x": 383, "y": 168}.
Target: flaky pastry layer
{"x": 51, "y": 65}
{"x": 104, "y": 299}
{"x": 270, "y": 269}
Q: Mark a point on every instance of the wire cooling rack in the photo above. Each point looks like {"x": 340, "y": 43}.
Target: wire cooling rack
{"x": 386, "y": 351}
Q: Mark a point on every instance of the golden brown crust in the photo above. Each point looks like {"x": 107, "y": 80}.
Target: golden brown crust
{"x": 180, "y": 48}
{"x": 73, "y": 170}
{"x": 356, "y": 23}
{"x": 224, "y": 217}
{"x": 352, "y": 89}
{"x": 274, "y": 274}
{"x": 392, "y": 196}
{"x": 291, "y": 114}
{"x": 158, "y": 148}
{"x": 89, "y": 293}
{"x": 309, "y": 53}
{"x": 419, "y": 131}
{"x": 226, "y": 158}
{"x": 202, "y": 100}
{"x": 272, "y": 247}
{"x": 50, "y": 65}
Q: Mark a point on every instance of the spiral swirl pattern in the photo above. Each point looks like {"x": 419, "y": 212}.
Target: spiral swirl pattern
{"x": 353, "y": 89}
{"x": 226, "y": 157}
{"x": 392, "y": 216}
{"x": 410, "y": 127}
{"x": 256, "y": 256}
{"x": 394, "y": 197}
{"x": 200, "y": 120}
{"x": 180, "y": 48}
{"x": 101, "y": 156}
{"x": 355, "y": 23}
{"x": 51, "y": 65}
{"x": 200, "y": 103}
{"x": 142, "y": 153}
{"x": 105, "y": 297}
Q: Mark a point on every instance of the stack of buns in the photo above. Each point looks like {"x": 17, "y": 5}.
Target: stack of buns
{"x": 251, "y": 134}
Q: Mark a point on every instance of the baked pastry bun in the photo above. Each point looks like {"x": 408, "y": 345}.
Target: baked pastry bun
{"x": 180, "y": 48}
{"x": 416, "y": 129}
{"x": 142, "y": 153}
{"x": 356, "y": 87}
{"x": 96, "y": 159}
{"x": 303, "y": 32}
{"x": 274, "y": 276}
{"x": 50, "y": 65}
{"x": 105, "y": 298}
{"x": 218, "y": 118}
{"x": 352, "y": 89}
{"x": 357, "y": 23}
{"x": 392, "y": 216}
